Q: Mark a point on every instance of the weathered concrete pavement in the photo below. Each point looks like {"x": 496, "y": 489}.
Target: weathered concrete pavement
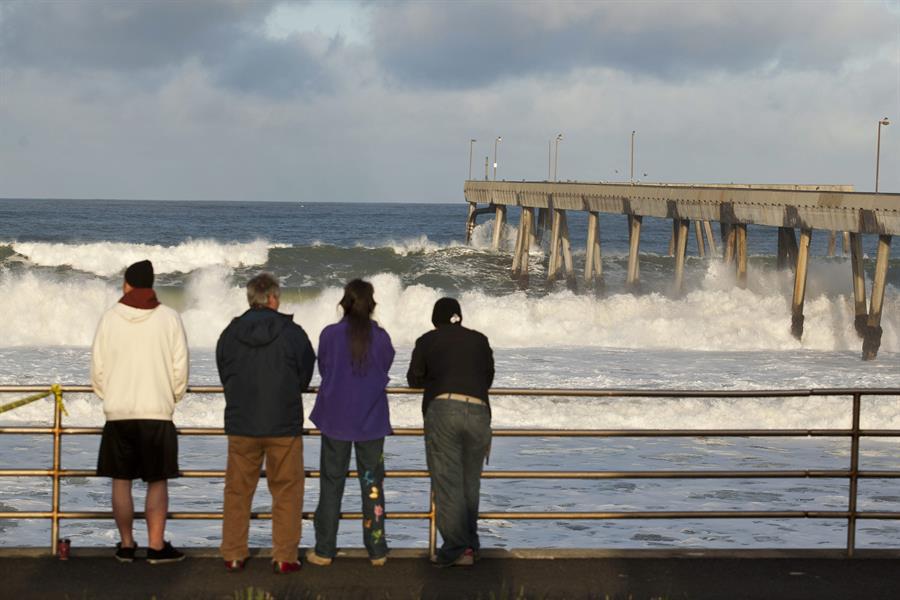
{"x": 625, "y": 577}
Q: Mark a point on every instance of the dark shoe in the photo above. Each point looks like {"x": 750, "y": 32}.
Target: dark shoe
{"x": 235, "y": 566}
{"x": 168, "y": 554}
{"x": 466, "y": 559}
{"x": 283, "y": 568}
{"x": 125, "y": 555}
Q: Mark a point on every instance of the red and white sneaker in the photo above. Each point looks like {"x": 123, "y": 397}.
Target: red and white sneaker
{"x": 235, "y": 566}
{"x": 283, "y": 568}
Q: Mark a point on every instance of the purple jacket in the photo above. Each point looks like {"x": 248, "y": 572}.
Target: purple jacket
{"x": 353, "y": 407}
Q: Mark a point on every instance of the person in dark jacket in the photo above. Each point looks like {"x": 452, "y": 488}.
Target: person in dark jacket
{"x": 265, "y": 361}
{"x": 455, "y": 365}
{"x": 351, "y": 410}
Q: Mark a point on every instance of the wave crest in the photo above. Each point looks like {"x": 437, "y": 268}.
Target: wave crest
{"x": 109, "y": 258}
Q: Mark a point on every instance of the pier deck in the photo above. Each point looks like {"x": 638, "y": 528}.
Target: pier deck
{"x": 622, "y": 575}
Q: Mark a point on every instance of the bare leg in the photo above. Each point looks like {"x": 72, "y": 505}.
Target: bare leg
{"x": 156, "y": 507}
{"x": 123, "y": 510}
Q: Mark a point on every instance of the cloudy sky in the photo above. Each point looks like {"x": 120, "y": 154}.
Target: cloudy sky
{"x": 377, "y": 101}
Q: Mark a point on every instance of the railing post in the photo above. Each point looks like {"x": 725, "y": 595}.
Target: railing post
{"x": 57, "y": 439}
{"x": 854, "y": 477}
{"x": 432, "y": 524}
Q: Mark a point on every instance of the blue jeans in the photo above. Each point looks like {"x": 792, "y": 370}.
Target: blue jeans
{"x": 457, "y": 438}
{"x": 334, "y": 462}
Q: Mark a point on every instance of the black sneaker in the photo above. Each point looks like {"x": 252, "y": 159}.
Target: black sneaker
{"x": 125, "y": 555}
{"x": 166, "y": 555}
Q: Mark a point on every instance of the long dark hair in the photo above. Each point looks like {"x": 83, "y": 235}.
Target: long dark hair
{"x": 358, "y": 304}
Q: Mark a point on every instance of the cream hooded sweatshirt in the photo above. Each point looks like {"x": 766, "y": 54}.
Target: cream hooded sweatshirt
{"x": 139, "y": 362}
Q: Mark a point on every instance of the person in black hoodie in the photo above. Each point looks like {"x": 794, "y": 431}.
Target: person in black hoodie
{"x": 455, "y": 365}
{"x": 265, "y": 361}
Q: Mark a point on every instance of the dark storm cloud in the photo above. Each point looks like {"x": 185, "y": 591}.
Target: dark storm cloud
{"x": 134, "y": 37}
{"x": 467, "y": 44}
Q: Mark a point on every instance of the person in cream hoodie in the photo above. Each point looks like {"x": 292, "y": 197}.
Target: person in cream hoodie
{"x": 139, "y": 368}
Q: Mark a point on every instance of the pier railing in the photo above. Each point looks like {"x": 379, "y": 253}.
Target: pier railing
{"x": 852, "y": 473}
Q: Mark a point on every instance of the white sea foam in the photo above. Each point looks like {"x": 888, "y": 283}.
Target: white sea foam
{"x": 109, "y": 258}
{"x": 716, "y": 317}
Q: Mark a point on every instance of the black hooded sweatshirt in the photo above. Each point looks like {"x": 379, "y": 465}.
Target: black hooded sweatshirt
{"x": 451, "y": 359}
{"x": 265, "y": 361}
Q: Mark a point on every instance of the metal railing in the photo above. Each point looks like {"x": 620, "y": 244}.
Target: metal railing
{"x": 852, "y": 473}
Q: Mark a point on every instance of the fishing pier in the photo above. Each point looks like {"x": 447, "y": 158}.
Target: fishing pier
{"x": 788, "y": 208}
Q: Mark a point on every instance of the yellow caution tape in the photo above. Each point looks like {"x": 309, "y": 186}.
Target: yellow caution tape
{"x": 57, "y": 393}
{"x": 55, "y": 389}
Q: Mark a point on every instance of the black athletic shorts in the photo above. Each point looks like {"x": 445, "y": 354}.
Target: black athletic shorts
{"x": 138, "y": 448}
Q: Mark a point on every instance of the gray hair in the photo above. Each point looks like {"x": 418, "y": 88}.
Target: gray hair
{"x": 260, "y": 288}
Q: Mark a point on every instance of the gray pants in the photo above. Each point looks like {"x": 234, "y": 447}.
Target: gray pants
{"x": 457, "y": 437}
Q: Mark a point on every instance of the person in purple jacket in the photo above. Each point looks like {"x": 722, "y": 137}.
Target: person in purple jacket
{"x": 351, "y": 410}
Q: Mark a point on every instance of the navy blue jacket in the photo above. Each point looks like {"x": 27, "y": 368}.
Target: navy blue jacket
{"x": 265, "y": 361}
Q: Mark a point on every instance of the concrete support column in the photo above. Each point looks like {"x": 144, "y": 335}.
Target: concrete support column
{"x": 859, "y": 285}
{"x": 567, "y": 250}
{"x": 470, "y": 222}
{"x": 523, "y": 248}
{"x": 800, "y": 284}
{"x": 555, "y": 231}
{"x": 872, "y": 339}
{"x": 499, "y": 219}
{"x": 519, "y": 251}
{"x": 832, "y": 242}
{"x": 673, "y": 238}
{"x": 740, "y": 242}
{"x": 683, "y": 226}
{"x": 710, "y": 239}
{"x": 787, "y": 247}
{"x": 698, "y": 233}
{"x": 593, "y": 265}
{"x": 634, "y": 243}
{"x": 728, "y": 237}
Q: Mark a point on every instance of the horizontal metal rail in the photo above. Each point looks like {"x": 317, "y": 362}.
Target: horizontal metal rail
{"x": 852, "y": 474}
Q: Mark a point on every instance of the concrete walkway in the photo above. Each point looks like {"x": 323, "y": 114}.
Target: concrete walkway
{"x": 90, "y": 575}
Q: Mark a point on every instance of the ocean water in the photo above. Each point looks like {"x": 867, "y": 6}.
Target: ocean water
{"x": 61, "y": 264}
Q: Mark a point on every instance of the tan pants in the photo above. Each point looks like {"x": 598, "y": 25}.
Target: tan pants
{"x": 284, "y": 475}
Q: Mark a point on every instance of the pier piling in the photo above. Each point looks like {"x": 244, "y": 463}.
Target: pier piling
{"x": 710, "y": 239}
{"x": 740, "y": 242}
{"x": 593, "y": 265}
{"x": 859, "y": 285}
{"x": 800, "y": 284}
{"x": 634, "y": 243}
{"x": 499, "y": 220}
{"x": 728, "y": 237}
{"x": 567, "y": 251}
{"x": 872, "y": 338}
{"x": 680, "y": 252}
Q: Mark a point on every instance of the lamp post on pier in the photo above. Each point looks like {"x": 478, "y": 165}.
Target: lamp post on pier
{"x": 881, "y": 122}
{"x": 559, "y": 137}
{"x": 471, "y": 142}
{"x": 632, "y": 156}
{"x": 496, "y": 142}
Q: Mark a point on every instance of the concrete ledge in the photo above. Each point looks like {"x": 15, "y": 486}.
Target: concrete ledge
{"x": 636, "y": 576}
{"x": 95, "y": 552}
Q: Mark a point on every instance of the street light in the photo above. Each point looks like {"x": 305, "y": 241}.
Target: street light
{"x": 632, "y": 156}
{"x": 496, "y": 141}
{"x": 471, "y": 141}
{"x": 885, "y": 122}
{"x": 556, "y": 161}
